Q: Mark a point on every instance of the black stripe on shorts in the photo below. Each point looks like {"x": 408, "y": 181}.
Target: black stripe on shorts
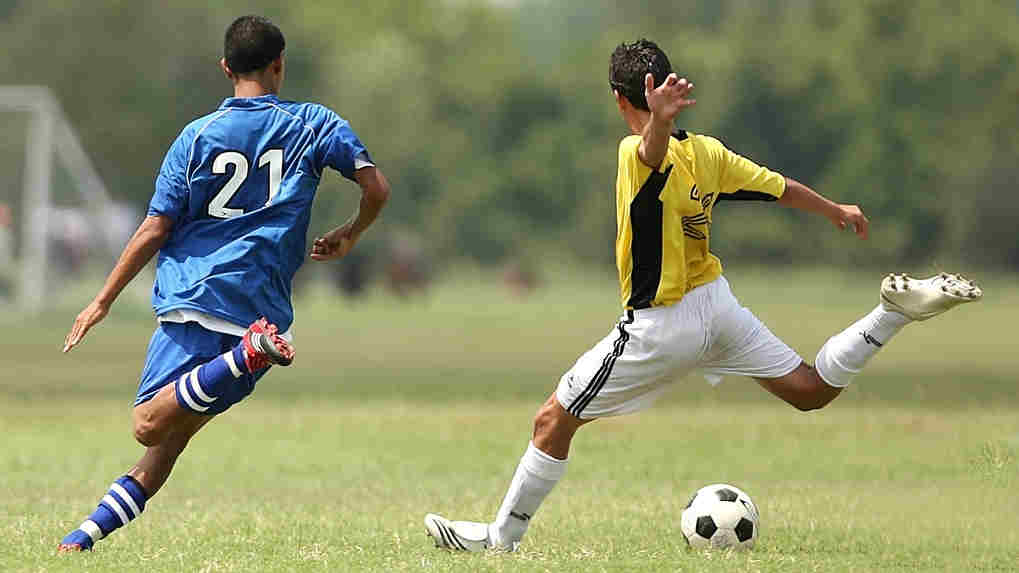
{"x": 603, "y": 373}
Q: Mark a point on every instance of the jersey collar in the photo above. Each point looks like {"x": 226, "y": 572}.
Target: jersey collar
{"x": 249, "y": 102}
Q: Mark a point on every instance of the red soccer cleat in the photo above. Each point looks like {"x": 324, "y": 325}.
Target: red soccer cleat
{"x": 263, "y": 346}
{"x": 71, "y": 548}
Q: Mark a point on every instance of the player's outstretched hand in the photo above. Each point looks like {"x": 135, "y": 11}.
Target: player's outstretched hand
{"x": 852, "y": 217}
{"x": 668, "y": 99}
{"x": 86, "y": 319}
{"x": 335, "y": 244}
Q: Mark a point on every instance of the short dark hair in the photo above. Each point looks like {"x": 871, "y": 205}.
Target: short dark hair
{"x": 252, "y": 43}
{"x": 630, "y": 63}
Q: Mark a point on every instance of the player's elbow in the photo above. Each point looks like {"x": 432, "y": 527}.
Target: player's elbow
{"x": 156, "y": 228}
{"x": 374, "y": 185}
{"x": 379, "y": 193}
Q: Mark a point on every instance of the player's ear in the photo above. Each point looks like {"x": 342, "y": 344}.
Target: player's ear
{"x": 226, "y": 69}
{"x": 277, "y": 67}
{"x": 621, "y": 102}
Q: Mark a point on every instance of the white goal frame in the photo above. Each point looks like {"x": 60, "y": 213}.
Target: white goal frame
{"x": 49, "y": 134}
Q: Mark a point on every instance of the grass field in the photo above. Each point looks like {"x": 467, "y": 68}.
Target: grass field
{"x": 394, "y": 409}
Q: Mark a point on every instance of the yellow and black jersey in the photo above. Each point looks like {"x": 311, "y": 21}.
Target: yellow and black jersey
{"x": 663, "y": 216}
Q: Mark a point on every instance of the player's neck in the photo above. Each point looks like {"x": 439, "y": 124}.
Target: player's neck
{"x": 636, "y": 119}
{"x": 251, "y": 88}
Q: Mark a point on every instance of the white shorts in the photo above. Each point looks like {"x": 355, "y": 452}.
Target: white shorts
{"x": 707, "y": 330}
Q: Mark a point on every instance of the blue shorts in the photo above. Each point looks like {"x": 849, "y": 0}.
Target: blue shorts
{"x": 176, "y": 349}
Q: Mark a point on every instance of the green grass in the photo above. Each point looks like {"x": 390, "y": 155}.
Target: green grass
{"x": 397, "y": 408}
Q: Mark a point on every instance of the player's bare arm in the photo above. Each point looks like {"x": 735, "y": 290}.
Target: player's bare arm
{"x": 374, "y": 193}
{"x": 665, "y": 103}
{"x": 799, "y": 196}
{"x": 146, "y": 242}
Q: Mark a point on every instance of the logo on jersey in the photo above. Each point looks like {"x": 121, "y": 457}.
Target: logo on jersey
{"x": 691, "y": 222}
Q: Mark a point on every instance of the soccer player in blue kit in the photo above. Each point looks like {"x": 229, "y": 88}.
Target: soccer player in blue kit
{"x": 229, "y": 219}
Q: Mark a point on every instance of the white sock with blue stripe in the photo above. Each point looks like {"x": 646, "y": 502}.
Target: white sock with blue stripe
{"x": 199, "y": 388}
{"x": 124, "y": 502}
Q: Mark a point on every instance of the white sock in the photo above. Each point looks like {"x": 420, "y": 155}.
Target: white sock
{"x": 535, "y": 477}
{"x": 846, "y": 353}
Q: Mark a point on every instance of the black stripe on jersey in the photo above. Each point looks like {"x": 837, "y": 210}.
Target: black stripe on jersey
{"x": 646, "y": 212}
{"x": 603, "y": 373}
{"x": 746, "y": 195}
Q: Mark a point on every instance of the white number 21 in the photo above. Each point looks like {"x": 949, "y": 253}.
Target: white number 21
{"x": 272, "y": 157}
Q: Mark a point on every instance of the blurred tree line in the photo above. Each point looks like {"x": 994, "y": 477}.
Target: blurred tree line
{"x": 495, "y": 123}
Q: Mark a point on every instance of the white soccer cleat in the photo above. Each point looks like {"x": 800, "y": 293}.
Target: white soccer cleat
{"x": 457, "y": 535}
{"x": 921, "y": 299}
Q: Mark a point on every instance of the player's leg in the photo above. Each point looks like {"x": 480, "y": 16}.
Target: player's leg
{"x": 747, "y": 347}
{"x": 802, "y": 388}
{"x": 154, "y": 467}
{"x": 174, "y": 403}
{"x": 128, "y": 494}
{"x": 211, "y": 385}
{"x": 903, "y": 299}
{"x": 538, "y": 471}
{"x": 624, "y": 373}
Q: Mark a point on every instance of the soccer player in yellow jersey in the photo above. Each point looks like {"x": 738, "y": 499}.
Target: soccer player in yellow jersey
{"x": 680, "y": 315}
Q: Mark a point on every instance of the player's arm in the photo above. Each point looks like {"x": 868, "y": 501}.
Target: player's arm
{"x": 146, "y": 242}
{"x": 742, "y": 179}
{"x": 374, "y": 193}
{"x": 799, "y": 196}
{"x": 665, "y": 103}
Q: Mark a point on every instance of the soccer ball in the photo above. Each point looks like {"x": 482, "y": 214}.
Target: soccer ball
{"x": 720, "y": 516}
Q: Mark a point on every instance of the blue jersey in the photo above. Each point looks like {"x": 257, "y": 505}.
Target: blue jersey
{"x": 239, "y": 184}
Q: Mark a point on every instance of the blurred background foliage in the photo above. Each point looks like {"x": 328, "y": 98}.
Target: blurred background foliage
{"x": 495, "y": 123}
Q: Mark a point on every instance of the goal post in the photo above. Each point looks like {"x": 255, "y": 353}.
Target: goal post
{"x": 49, "y": 137}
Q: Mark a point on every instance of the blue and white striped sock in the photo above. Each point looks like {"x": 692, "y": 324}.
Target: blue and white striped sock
{"x": 198, "y": 389}
{"x": 124, "y": 502}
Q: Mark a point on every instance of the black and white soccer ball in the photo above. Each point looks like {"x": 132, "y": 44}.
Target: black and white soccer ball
{"x": 720, "y": 516}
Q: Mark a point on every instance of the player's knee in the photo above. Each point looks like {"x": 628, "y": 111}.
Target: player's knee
{"x": 145, "y": 433}
{"x": 552, "y": 420}
{"x": 546, "y": 420}
{"x": 806, "y": 405}
{"x": 815, "y": 398}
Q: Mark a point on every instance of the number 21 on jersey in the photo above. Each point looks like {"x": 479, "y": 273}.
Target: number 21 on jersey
{"x": 272, "y": 157}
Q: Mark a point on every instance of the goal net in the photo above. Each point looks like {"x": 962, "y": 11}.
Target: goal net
{"x": 57, "y": 222}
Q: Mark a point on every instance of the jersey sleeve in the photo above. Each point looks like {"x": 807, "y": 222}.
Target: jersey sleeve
{"x": 340, "y": 148}
{"x": 741, "y": 178}
{"x": 171, "y": 196}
